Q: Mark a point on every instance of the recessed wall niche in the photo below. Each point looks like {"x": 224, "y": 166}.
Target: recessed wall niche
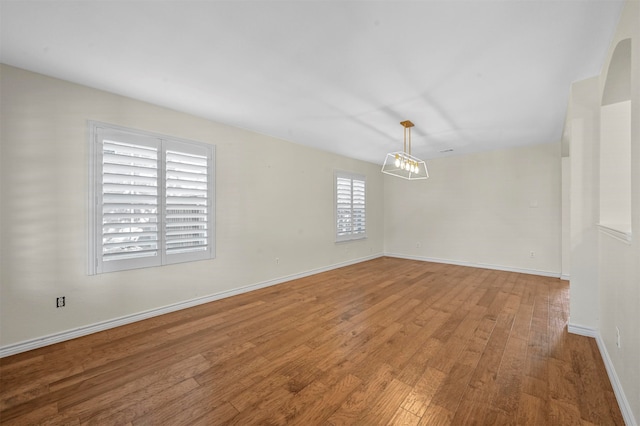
{"x": 615, "y": 143}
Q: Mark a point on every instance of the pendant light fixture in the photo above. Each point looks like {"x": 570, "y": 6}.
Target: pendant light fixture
{"x": 402, "y": 163}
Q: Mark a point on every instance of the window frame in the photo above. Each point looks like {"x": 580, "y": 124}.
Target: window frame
{"x": 350, "y": 236}
{"x": 163, "y": 143}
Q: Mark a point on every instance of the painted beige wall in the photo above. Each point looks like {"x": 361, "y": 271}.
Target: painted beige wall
{"x": 489, "y": 209}
{"x": 274, "y": 199}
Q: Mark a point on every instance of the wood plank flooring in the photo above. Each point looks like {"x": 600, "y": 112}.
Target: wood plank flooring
{"x": 387, "y": 341}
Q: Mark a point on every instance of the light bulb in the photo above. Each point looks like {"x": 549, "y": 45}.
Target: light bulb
{"x": 397, "y": 161}
{"x": 417, "y": 169}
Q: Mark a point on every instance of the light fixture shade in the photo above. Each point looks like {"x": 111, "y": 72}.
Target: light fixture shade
{"x": 420, "y": 167}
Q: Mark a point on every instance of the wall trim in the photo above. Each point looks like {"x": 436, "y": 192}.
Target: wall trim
{"x": 565, "y": 277}
{"x": 619, "y": 234}
{"x": 623, "y": 402}
{"x": 581, "y": 330}
{"x": 63, "y": 336}
{"x": 476, "y": 265}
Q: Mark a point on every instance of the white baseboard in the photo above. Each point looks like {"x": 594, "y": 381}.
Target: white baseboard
{"x": 39, "y": 342}
{"x": 565, "y": 277}
{"x": 476, "y": 265}
{"x": 623, "y": 402}
{"x": 581, "y": 330}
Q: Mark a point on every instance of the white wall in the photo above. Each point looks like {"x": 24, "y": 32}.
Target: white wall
{"x": 584, "y": 123}
{"x": 611, "y": 270}
{"x": 566, "y": 218}
{"x": 619, "y": 285}
{"x": 615, "y": 165}
{"x": 489, "y": 209}
{"x": 278, "y": 204}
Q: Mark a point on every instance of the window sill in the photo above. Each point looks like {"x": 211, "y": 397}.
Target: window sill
{"x": 620, "y": 232}
{"x": 350, "y": 240}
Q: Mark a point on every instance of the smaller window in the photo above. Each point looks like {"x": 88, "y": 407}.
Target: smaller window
{"x": 350, "y": 206}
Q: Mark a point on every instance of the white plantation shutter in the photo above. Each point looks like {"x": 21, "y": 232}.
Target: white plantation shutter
{"x": 153, "y": 200}
{"x": 187, "y": 202}
{"x": 343, "y": 206}
{"x": 358, "y": 226}
{"x": 128, "y": 201}
{"x": 350, "y": 206}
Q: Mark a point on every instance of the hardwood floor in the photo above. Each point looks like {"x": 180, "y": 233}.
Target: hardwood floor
{"x": 388, "y": 341}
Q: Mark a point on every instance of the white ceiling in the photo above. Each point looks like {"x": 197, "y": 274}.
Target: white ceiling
{"x": 336, "y": 75}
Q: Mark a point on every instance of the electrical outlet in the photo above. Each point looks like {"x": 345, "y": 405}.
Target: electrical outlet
{"x": 60, "y": 302}
{"x": 618, "y": 338}
{"x": 277, "y": 260}
{"x": 532, "y": 254}
{"x": 418, "y": 245}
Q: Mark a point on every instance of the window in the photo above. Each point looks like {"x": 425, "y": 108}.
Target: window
{"x": 151, "y": 200}
{"x": 350, "y": 206}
